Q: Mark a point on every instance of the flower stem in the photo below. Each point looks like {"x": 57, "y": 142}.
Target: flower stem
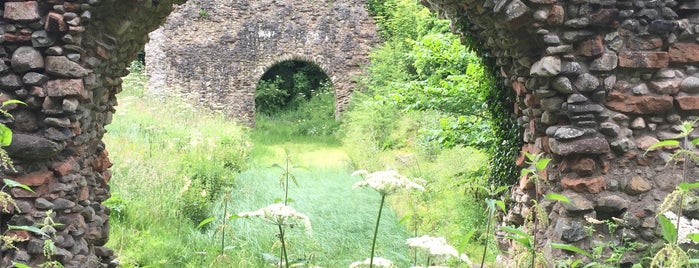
{"x": 376, "y": 231}
{"x": 281, "y": 239}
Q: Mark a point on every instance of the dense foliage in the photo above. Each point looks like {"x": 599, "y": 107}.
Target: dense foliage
{"x": 288, "y": 84}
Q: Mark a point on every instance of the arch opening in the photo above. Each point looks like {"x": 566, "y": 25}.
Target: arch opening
{"x": 298, "y": 95}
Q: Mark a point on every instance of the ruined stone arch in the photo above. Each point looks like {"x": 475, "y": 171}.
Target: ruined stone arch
{"x": 596, "y": 82}
{"x": 316, "y": 61}
{"x": 217, "y": 59}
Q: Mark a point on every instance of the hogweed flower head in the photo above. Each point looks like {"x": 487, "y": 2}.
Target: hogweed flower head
{"x": 385, "y": 182}
{"x": 435, "y": 246}
{"x": 279, "y": 214}
{"x": 378, "y": 262}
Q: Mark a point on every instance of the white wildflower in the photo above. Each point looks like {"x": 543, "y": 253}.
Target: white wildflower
{"x": 279, "y": 214}
{"x": 431, "y": 266}
{"x": 464, "y": 258}
{"x": 436, "y": 246}
{"x": 687, "y": 227}
{"x": 385, "y": 182}
{"x": 187, "y": 182}
{"x": 378, "y": 262}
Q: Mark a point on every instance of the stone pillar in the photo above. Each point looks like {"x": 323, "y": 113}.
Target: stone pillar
{"x": 64, "y": 59}
{"x": 597, "y": 82}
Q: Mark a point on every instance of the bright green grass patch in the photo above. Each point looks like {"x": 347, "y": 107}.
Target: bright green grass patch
{"x": 342, "y": 219}
{"x": 171, "y": 162}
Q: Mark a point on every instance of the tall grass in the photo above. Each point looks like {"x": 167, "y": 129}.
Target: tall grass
{"x": 172, "y": 162}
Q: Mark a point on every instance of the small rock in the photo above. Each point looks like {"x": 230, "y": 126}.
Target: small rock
{"x": 587, "y": 83}
{"x": 42, "y": 39}
{"x": 576, "y": 98}
{"x": 690, "y": 85}
{"x": 43, "y": 204}
{"x": 546, "y": 67}
{"x": 10, "y": 82}
{"x": 562, "y": 84}
{"x": 27, "y": 59}
{"x": 34, "y": 79}
{"x": 637, "y": 185}
{"x": 638, "y": 123}
{"x": 606, "y": 62}
{"x": 568, "y": 133}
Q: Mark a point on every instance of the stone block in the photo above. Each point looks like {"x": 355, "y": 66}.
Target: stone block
{"x": 644, "y": 59}
{"x": 684, "y": 52}
{"x": 22, "y": 11}
{"x": 64, "y": 87}
{"x": 584, "y": 185}
{"x": 35, "y": 178}
{"x": 32, "y": 147}
{"x": 589, "y": 145}
{"x": 688, "y": 103}
{"x": 623, "y": 103}
{"x": 64, "y": 67}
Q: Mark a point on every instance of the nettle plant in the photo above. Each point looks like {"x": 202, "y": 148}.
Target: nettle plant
{"x": 527, "y": 235}
{"x": 46, "y": 230}
{"x": 282, "y": 215}
{"x": 684, "y": 151}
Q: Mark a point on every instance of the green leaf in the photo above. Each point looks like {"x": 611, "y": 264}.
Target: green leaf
{"x": 519, "y": 236}
{"x": 695, "y": 142}
{"x": 557, "y": 197}
{"x": 234, "y": 216}
{"x": 592, "y": 264}
{"x": 8, "y": 102}
{"x": 20, "y": 265}
{"x": 694, "y": 237}
{"x": 541, "y": 164}
{"x": 693, "y": 261}
{"x": 501, "y": 204}
{"x": 5, "y": 135}
{"x": 685, "y": 186}
{"x": 277, "y": 166}
{"x": 668, "y": 229}
{"x": 670, "y": 143}
{"x": 571, "y": 248}
{"x": 28, "y": 228}
{"x": 205, "y": 221}
{"x": 13, "y": 184}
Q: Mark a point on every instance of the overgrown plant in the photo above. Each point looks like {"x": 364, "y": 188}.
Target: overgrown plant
{"x": 283, "y": 217}
{"x": 286, "y": 177}
{"x": 385, "y": 183}
{"x": 529, "y": 256}
{"x": 672, "y": 255}
{"x": 617, "y": 248}
{"x": 492, "y": 204}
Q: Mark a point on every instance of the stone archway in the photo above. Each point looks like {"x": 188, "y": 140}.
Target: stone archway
{"x": 596, "y": 82}
{"x": 341, "y": 99}
{"x": 215, "y": 52}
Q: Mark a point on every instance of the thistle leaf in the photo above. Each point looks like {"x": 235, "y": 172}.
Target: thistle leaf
{"x": 205, "y": 222}
{"x": 669, "y": 143}
{"x": 13, "y": 184}
{"x": 669, "y": 230}
{"x": 571, "y": 248}
{"x": 557, "y": 197}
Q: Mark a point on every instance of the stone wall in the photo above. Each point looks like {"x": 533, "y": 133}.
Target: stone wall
{"x": 65, "y": 60}
{"x": 215, "y": 52}
{"x": 597, "y": 82}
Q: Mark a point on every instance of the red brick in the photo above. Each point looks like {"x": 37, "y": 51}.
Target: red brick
{"x": 644, "y": 59}
{"x": 621, "y": 102}
{"x": 688, "y": 102}
{"x": 102, "y": 162}
{"x": 22, "y": 11}
{"x": 556, "y": 15}
{"x": 35, "y": 179}
{"x": 587, "y": 185}
{"x": 54, "y": 23}
{"x": 684, "y": 52}
{"x": 64, "y": 87}
{"x": 519, "y": 88}
{"x": 65, "y": 168}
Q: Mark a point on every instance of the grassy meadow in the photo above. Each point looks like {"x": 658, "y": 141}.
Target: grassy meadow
{"x": 170, "y": 159}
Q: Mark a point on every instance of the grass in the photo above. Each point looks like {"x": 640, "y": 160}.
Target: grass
{"x": 171, "y": 161}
